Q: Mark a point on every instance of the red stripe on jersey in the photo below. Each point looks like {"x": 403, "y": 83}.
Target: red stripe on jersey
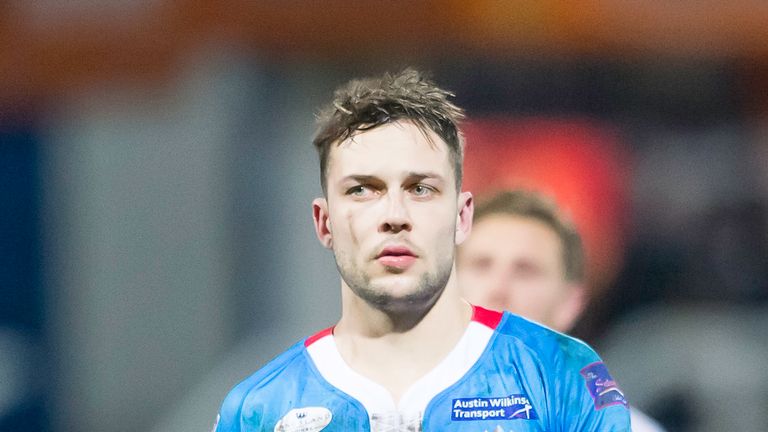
{"x": 317, "y": 336}
{"x": 489, "y": 318}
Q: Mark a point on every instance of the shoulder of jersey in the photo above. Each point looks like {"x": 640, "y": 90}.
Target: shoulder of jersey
{"x": 542, "y": 340}
{"x": 292, "y": 357}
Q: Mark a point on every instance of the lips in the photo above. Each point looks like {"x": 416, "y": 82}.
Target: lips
{"x": 399, "y": 257}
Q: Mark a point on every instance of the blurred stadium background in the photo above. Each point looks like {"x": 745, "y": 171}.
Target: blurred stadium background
{"x": 156, "y": 174}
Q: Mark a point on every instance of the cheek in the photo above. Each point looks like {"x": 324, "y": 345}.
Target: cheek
{"x": 543, "y": 293}
{"x": 444, "y": 233}
{"x": 446, "y": 245}
{"x": 477, "y": 273}
{"x": 354, "y": 225}
{"x": 469, "y": 279}
{"x": 481, "y": 283}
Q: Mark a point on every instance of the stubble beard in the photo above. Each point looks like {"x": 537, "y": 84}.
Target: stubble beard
{"x": 426, "y": 290}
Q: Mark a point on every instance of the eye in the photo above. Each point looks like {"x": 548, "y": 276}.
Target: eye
{"x": 422, "y": 190}
{"x": 481, "y": 263}
{"x": 528, "y": 270}
{"x": 358, "y": 191}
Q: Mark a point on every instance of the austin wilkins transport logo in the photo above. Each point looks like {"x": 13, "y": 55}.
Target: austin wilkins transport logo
{"x": 495, "y": 408}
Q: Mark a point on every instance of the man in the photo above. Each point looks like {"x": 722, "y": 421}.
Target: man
{"x": 525, "y": 257}
{"x": 408, "y": 354}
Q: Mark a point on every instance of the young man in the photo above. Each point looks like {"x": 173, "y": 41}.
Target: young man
{"x": 408, "y": 354}
{"x": 525, "y": 257}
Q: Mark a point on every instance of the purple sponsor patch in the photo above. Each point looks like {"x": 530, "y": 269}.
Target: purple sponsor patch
{"x": 603, "y": 389}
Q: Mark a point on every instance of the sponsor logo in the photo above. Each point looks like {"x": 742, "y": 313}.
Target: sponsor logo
{"x": 516, "y": 406}
{"x": 603, "y": 389}
{"x": 307, "y": 419}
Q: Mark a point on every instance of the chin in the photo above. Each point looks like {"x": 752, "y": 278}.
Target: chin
{"x": 397, "y": 285}
{"x": 407, "y": 294}
{"x": 397, "y": 293}
{"x": 395, "y": 298}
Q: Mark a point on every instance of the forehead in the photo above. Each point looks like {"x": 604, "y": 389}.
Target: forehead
{"x": 510, "y": 235}
{"x": 396, "y": 147}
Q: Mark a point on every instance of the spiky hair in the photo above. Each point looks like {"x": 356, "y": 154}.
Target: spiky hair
{"x": 364, "y": 104}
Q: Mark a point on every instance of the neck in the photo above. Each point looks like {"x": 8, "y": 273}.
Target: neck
{"x": 397, "y": 348}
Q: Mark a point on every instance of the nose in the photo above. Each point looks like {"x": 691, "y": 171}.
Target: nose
{"x": 396, "y": 217}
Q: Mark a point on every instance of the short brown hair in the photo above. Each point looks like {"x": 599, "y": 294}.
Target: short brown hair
{"x": 363, "y": 104}
{"x": 529, "y": 204}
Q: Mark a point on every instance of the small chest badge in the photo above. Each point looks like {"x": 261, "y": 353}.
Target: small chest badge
{"x": 307, "y": 419}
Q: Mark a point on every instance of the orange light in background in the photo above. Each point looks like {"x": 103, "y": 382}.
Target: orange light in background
{"x": 580, "y": 163}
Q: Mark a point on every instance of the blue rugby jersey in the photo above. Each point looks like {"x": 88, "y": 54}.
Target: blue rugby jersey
{"x": 505, "y": 374}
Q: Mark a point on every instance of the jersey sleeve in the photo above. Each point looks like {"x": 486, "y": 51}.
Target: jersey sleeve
{"x": 245, "y": 407}
{"x": 594, "y": 401}
{"x": 228, "y": 419}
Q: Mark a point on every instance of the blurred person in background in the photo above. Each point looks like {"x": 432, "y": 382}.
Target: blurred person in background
{"x": 524, "y": 256}
{"x": 408, "y": 353}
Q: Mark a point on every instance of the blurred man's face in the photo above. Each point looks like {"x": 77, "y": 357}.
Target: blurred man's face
{"x": 392, "y": 215}
{"x": 516, "y": 263}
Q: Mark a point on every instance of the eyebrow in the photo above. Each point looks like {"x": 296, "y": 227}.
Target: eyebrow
{"x": 360, "y": 178}
{"x": 413, "y": 175}
{"x": 418, "y": 176}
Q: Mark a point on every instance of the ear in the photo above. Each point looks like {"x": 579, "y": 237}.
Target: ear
{"x": 322, "y": 223}
{"x": 571, "y": 308}
{"x": 466, "y": 208}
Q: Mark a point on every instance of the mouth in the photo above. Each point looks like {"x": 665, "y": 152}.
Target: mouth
{"x": 399, "y": 257}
